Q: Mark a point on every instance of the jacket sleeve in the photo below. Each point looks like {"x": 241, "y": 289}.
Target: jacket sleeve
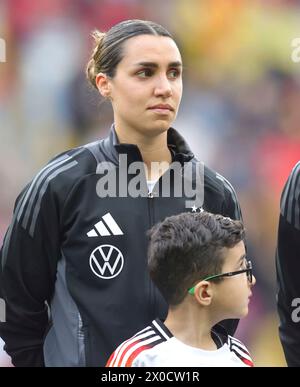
{"x": 288, "y": 268}
{"x": 28, "y": 262}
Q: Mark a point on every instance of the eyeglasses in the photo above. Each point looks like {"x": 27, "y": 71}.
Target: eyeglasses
{"x": 247, "y": 270}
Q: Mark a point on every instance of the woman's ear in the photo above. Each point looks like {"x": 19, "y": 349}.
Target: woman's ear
{"x": 204, "y": 293}
{"x": 103, "y": 85}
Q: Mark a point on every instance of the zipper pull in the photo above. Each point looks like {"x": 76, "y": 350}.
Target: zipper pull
{"x": 150, "y": 195}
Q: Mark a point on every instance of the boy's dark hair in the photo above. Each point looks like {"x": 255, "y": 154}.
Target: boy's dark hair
{"x": 186, "y": 248}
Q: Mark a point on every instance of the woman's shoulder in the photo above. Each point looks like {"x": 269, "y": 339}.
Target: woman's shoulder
{"x": 66, "y": 169}
{"x": 214, "y": 181}
{"x": 219, "y": 194}
{"x": 80, "y": 155}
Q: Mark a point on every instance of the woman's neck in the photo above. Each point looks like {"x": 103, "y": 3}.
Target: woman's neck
{"x": 154, "y": 150}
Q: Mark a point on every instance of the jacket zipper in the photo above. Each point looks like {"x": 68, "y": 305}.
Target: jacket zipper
{"x": 151, "y": 223}
{"x": 81, "y": 342}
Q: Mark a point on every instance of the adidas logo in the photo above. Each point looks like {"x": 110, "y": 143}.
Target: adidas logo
{"x": 106, "y": 227}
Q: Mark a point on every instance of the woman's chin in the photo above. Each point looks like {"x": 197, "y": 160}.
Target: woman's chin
{"x": 158, "y": 128}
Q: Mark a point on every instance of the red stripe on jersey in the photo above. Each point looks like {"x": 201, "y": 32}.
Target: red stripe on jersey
{"x": 110, "y": 359}
{"x": 135, "y": 354}
{"x": 240, "y": 346}
{"x": 113, "y": 357}
{"x": 125, "y": 350}
{"x": 122, "y": 348}
{"x": 248, "y": 362}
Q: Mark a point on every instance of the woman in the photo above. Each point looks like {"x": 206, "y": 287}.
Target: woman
{"x": 74, "y": 257}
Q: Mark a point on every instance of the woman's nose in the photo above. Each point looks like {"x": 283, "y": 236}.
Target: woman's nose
{"x": 163, "y": 87}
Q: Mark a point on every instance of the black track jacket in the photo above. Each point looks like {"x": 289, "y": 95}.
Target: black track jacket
{"x": 74, "y": 265}
{"x": 288, "y": 268}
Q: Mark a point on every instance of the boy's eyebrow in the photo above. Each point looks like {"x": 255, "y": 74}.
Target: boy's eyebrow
{"x": 155, "y": 65}
{"x": 242, "y": 258}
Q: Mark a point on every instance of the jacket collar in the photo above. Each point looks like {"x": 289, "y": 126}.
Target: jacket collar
{"x": 180, "y": 150}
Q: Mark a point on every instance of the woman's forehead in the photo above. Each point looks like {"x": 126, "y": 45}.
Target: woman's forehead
{"x": 150, "y": 48}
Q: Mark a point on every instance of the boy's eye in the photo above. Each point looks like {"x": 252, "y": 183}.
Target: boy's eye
{"x": 244, "y": 265}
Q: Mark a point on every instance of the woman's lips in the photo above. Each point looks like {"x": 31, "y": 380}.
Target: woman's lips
{"x": 161, "y": 111}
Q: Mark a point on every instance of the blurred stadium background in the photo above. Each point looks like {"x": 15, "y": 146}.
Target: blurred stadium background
{"x": 240, "y": 110}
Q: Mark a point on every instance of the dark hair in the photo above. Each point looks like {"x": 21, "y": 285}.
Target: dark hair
{"x": 185, "y": 248}
{"x": 108, "y": 51}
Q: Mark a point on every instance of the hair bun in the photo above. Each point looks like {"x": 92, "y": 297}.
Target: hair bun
{"x": 91, "y": 70}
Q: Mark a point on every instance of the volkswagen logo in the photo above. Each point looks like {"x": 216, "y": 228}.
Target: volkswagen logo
{"x": 106, "y": 261}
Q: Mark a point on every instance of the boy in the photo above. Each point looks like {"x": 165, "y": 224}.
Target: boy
{"x": 198, "y": 262}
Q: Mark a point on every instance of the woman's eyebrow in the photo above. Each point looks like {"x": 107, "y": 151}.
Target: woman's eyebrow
{"x": 155, "y": 65}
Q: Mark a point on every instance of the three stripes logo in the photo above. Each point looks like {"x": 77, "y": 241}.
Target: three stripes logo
{"x": 106, "y": 261}
{"x": 105, "y": 227}
{"x": 30, "y": 203}
{"x": 2, "y": 310}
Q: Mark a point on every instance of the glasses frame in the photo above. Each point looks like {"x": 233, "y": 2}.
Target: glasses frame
{"x": 248, "y": 270}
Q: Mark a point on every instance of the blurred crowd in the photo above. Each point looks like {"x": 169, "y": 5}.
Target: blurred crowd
{"x": 240, "y": 108}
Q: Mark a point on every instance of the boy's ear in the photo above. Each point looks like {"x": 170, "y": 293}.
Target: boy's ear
{"x": 103, "y": 85}
{"x": 204, "y": 293}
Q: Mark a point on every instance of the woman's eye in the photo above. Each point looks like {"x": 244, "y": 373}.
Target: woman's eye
{"x": 144, "y": 73}
{"x": 173, "y": 73}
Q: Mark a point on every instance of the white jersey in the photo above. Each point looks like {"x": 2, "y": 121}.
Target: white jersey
{"x": 155, "y": 346}
{"x": 5, "y": 360}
